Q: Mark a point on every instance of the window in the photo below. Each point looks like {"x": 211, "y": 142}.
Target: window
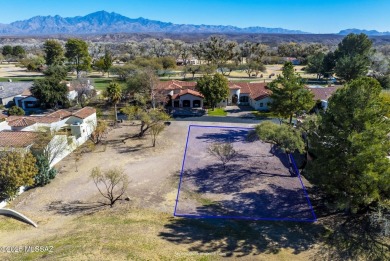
{"x": 261, "y": 104}
{"x": 244, "y": 98}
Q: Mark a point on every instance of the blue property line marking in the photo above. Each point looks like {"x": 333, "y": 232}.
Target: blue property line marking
{"x": 182, "y": 169}
{"x": 303, "y": 187}
{"x": 239, "y": 217}
{"x": 223, "y": 127}
{"x": 244, "y": 218}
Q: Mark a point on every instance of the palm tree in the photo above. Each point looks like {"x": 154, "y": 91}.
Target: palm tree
{"x": 114, "y": 94}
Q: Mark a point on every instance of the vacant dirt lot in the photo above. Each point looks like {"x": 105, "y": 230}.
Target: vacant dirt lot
{"x": 256, "y": 184}
{"x": 71, "y": 219}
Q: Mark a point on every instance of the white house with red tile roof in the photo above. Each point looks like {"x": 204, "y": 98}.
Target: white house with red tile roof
{"x": 80, "y": 124}
{"x": 322, "y": 94}
{"x": 17, "y": 139}
{"x": 184, "y": 94}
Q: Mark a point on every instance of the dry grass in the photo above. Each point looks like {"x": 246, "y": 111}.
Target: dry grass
{"x": 126, "y": 233}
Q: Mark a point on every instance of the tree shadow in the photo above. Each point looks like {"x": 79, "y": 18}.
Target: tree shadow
{"x": 225, "y": 135}
{"x": 241, "y": 238}
{"x": 272, "y": 203}
{"x": 128, "y": 149}
{"x": 75, "y": 207}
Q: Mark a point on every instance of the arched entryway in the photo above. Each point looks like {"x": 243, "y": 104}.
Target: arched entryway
{"x": 235, "y": 99}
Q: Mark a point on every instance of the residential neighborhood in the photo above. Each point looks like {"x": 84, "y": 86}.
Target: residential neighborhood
{"x": 134, "y": 139}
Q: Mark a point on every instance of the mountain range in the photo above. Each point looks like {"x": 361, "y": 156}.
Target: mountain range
{"x": 103, "y": 22}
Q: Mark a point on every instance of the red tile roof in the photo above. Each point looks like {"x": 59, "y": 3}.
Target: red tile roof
{"x": 60, "y": 114}
{"x": 175, "y": 84}
{"x": 84, "y": 112}
{"x": 233, "y": 86}
{"x": 187, "y": 91}
{"x": 323, "y": 93}
{"x": 20, "y": 122}
{"x": 36, "y": 119}
{"x": 256, "y": 90}
{"x": 17, "y": 139}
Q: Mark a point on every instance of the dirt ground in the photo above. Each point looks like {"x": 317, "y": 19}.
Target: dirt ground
{"x": 257, "y": 184}
{"x": 11, "y": 70}
{"x": 153, "y": 172}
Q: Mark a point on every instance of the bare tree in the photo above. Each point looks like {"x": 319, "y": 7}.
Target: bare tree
{"x": 84, "y": 89}
{"x": 100, "y": 131}
{"x": 224, "y": 152}
{"x": 155, "y": 131}
{"x": 112, "y": 183}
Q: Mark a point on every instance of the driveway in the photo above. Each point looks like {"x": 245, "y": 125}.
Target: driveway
{"x": 239, "y": 111}
{"x": 221, "y": 119}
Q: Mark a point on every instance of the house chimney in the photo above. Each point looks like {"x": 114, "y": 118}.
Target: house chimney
{"x": 9, "y": 80}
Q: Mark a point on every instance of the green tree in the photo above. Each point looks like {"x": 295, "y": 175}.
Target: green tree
{"x": 50, "y": 92}
{"x": 56, "y": 71}
{"x": 54, "y": 52}
{"x": 167, "y": 63}
{"x": 252, "y": 68}
{"x": 351, "y": 145}
{"x": 214, "y": 89}
{"x": 192, "y": 69}
{"x": 328, "y": 64}
{"x": 287, "y": 138}
{"x": 18, "y": 51}
{"x": 7, "y": 50}
{"x": 33, "y": 64}
{"x": 315, "y": 64}
{"x": 218, "y": 50}
{"x": 16, "y": 169}
{"x": 124, "y": 72}
{"x": 289, "y": 95}
{"x": 104, "y": 64}
{"x": 15, "y": 110}
{"x": 155, "y": 131}
{"x": 114, "y": 95}
{"x": 353, "y": 56}
{"x": 148, "y": 118}
{"x": 77, "y": 54}
{"x": 45, "y": 173}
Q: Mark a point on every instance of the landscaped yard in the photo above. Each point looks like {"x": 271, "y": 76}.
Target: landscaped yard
{"x": 216, "y": 112}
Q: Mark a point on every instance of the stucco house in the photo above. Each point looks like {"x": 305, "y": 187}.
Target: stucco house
{"x": 322, "y": 94}
{"x": 69, "y": 130}
{"x": 252, "y": 94}
{"x": 26, "y": 100}
{"x": 184, "y": 94}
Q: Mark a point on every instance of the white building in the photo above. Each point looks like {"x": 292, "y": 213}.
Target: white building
{"x": 70, "y": 129}
{"x": 184, "y": 94}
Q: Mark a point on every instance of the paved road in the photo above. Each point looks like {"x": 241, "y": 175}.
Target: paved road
{"x": 223, "y": 119}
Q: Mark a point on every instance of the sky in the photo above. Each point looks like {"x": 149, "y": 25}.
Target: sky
{"x": 315, "y": 16}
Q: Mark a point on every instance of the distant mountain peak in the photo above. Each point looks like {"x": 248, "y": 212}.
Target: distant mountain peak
{"x": 103, "y": 22}
{"x": 359, "y": 31}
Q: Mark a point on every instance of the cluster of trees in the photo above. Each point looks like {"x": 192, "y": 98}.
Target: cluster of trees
{"x": 348, "y": 145}
{"x": 52, "y": 91}
{"x": 16, "y": 52}
{"x": 353, "y": 58}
